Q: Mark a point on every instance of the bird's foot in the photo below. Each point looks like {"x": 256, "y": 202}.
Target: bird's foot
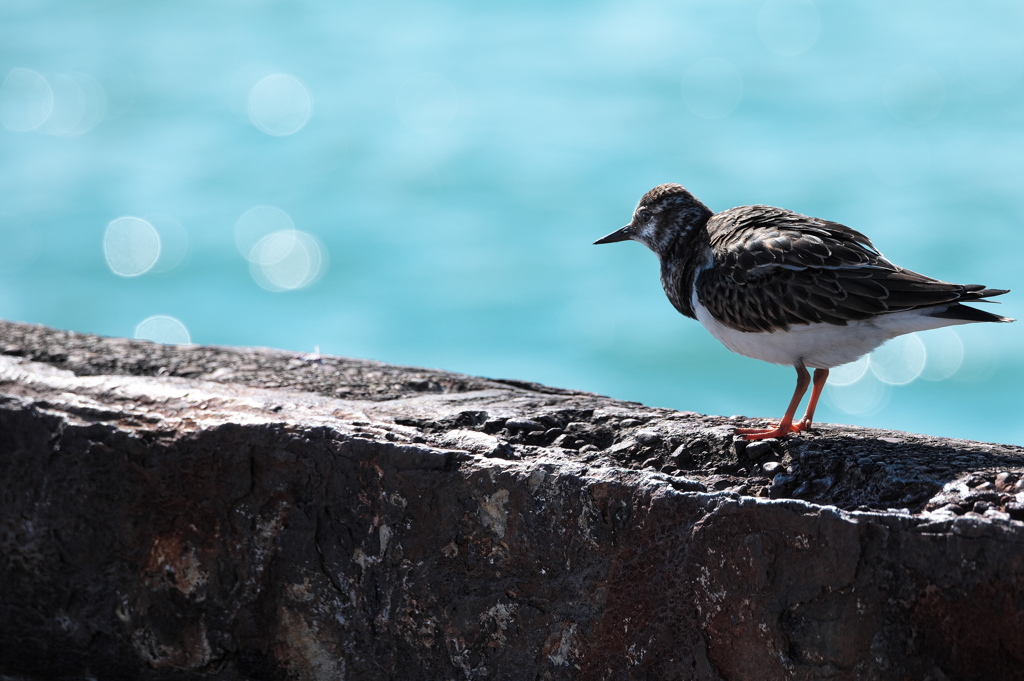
{"x": 763, "y": 433}
{"x": 781, "y": 430}
{"x": 803, "y": 427}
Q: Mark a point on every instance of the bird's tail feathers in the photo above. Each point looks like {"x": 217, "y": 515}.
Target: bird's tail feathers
{"x": 975, "y": 293}
{"x": 966, "y": 313}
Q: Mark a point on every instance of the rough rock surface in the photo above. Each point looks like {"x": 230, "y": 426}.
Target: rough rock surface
{"x": 217, "y": 513}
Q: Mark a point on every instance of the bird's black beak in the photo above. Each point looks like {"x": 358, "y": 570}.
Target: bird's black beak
{"x": 623, "y": 234}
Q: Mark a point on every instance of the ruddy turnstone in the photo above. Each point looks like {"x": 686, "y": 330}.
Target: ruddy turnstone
{"x": 789, "y": 289}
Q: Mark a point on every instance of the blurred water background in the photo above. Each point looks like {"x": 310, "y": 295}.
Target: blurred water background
{"x": 420, "y": 182}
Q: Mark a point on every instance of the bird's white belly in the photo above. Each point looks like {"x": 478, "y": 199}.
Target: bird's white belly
{"x": 819, "y": 346}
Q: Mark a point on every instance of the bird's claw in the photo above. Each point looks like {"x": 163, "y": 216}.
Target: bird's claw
{"x": 778, "y": 431}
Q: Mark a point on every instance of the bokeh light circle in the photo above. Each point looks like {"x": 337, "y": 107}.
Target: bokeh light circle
{"x": 981, "y": 355}
{"x": 945, "y": 354}
{"x": 788, "y": 27}
{"x": 258, "y": 222}
{"x": 866, "y": 396}
{"x": 280, "y": 105}
{"x": 712, "y": 88}
{"x": 914, "y": 93}
{"x": 26, "y": 100}
{"x": 848, "y": 374}
{"x": 131, "y": 246}
{"x": 174, "y": 241}
{"x": 79, "y": 104}
{"x": 287, "y": 260}
{"x": 900, "y": 360}
{"x": 163, "y": 329}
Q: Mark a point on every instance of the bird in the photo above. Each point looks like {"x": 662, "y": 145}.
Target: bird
{"x": 775, "y": 285}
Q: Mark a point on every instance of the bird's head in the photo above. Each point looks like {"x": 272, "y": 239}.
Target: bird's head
{"x": 665, "y": 214}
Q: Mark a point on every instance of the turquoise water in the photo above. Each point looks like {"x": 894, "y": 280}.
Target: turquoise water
{"x": 432, "y": 174}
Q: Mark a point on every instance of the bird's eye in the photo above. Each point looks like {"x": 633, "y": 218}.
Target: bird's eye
{"x": 643, "y": 215}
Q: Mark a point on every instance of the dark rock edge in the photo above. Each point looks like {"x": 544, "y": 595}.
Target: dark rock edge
{"x": 203, "y": 512}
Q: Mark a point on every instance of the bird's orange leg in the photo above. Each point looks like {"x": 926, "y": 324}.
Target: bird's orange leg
{"x": 785, "y": 427}
{"x": 820, "y": 376}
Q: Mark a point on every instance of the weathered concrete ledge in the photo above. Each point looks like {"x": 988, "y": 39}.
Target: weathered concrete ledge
{"x": 218, "y": 513}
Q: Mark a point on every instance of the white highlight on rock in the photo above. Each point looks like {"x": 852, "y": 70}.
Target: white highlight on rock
{"x": 287, "y": 260}
{"x": 163, "y": 329}
{"x": 280, "y": 105}
{"x": 712, "y": 88}
{"x": 788, "y": 27}
{"x": 131, "y": 246}
{"x": 914, "y": 93}
{"x": 26, "y": 100}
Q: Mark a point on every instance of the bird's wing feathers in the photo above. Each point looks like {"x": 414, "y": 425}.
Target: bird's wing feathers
{"x": 773, "y": 268}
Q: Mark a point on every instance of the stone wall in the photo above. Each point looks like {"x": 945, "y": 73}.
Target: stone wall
{"x": 216, "y": 513}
